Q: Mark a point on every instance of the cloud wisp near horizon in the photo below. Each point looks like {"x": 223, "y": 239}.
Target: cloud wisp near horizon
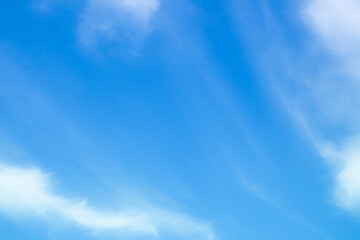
{"x": 28, "y": 192}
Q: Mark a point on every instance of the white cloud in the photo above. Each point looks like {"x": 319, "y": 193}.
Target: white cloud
{"x": 346, "y": 159}
{"x": 27, "y": 192}
{"x": 337, "y": 23}
{"x": 115, "y": 20}
{"x": 141, "y": 9}
{"x": 107, "y": 21}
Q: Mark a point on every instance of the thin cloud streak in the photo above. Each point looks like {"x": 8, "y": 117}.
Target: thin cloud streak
{"x": 253, "y": 188}
{"x": 261, "y": 194}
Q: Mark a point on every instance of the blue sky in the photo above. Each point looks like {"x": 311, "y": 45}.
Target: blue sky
{"x": 189, "y": 120}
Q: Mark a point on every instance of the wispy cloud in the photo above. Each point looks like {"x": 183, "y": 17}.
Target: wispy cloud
{"x": 107, "y": 21}
{"x": 46, "y": 6}
{"x": 281, "y": 209}
{"x": 345, "y": 157}
{"x": 112, "y": 20}
{"x": 337, "y": 23}
{"x": 27, "y": 192}
{"x": 253, "y": 188}
{"x": 317, "y": 80}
